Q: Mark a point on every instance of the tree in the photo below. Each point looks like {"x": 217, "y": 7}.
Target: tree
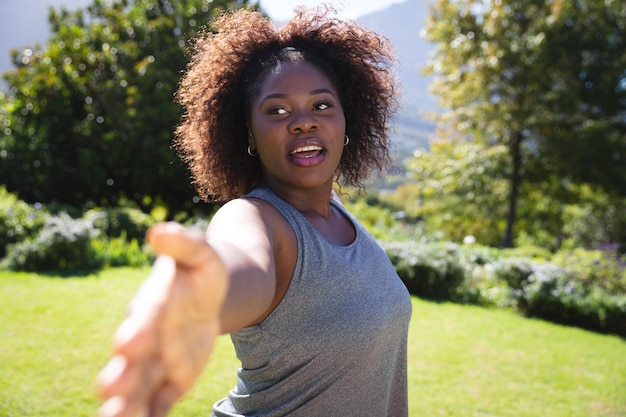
{"x": 586, "y": 138}
{"x": 536, "y": 76}
{"x": 461, "y": 190}
{"x": 89, "y": 117}
{"x": 457, "y": 189}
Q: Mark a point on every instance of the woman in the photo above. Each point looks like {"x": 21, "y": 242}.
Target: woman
{"x": 315, "y": 310}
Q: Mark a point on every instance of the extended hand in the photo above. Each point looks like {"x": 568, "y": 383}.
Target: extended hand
{"x": 163, "y": 345}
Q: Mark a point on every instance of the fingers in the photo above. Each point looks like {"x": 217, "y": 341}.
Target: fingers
{"x": 111, "y": 379}
{"x": 113, "y": 407}
{"x": 126, "y": 381}
{"x": 163, "y": 344}
{"x": 187, "y": 247}
{"x": 129, "y": 380}
{"x": 128, "y": 386}
{"x": 206, "y": 278}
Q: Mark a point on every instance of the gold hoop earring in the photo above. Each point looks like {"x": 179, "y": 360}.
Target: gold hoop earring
{"x": 346, "y": 140}
{"x": 252, "y": 152}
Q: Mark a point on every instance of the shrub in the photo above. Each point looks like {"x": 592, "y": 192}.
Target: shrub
{"x": 118, "y": 221}
{"x": 531, "y": 252}
{"x": 576, "y": 294}
{"x": 62, "y": 244}
{"x": 18, "y": 220}
{"x": 378, "y": 220}
{"x": 481, "y": 286}
{"x": 478, "y": 254}
{"x": 605, "y": 269}
{"x": 514, "y": 272}
{"x": 120, "y": 252}
{"x": 557, "y": 294}
{"x": 429, "y": 270}
{"x": 561, "y": 294}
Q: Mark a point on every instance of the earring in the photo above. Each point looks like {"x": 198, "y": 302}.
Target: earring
{"x": 252, "y": 152}
{"x": 346, "y": 140}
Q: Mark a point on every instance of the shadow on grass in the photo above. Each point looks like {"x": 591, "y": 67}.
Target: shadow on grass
{"x": 63, "y": 274}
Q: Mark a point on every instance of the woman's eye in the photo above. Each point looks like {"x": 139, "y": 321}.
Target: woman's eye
{"x": 277, "y": 110}
{"x": 322, "y": 106}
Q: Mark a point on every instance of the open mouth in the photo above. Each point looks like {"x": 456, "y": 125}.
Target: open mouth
{"x": 306, "y": 152}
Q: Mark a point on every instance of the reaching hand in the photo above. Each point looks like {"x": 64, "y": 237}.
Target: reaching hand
{"x": 161, "y": 348}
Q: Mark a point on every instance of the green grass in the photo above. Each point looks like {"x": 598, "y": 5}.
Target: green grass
{"x": 464, "y": 361}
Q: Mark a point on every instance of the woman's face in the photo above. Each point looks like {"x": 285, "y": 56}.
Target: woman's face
{"x": 298, "y": 126}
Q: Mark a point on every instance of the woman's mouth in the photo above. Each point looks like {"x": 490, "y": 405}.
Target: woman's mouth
{"x": 306, "y": 152}
{"x": 307, "y": 155}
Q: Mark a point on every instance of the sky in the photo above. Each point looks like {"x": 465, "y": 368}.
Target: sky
{"x": 282, "y": 9}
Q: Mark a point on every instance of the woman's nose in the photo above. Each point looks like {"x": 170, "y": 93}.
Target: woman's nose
{"x": 303, "y": 122}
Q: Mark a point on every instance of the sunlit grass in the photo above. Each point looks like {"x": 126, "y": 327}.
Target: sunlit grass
{"x": 470, "y": 361}
{"x": 464, "y": 361}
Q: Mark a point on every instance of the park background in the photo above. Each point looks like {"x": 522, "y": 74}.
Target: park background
{"x": 504, "y": 211}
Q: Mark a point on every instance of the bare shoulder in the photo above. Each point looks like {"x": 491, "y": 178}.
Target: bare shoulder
{"x": 244, "y": 217}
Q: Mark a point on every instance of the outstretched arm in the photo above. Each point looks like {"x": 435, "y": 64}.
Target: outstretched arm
{"x": 161, "y": 347}
{"x": 199, "y": 287}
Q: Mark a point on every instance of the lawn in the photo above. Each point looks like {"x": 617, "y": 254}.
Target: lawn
{"x": 464, "y": 361}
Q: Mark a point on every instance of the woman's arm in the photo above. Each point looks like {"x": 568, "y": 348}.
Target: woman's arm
{"x": 244, "y": 234}
{"x": 199, "y": 286}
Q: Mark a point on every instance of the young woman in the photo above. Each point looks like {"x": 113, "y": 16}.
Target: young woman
{"x": 318, "y": 316}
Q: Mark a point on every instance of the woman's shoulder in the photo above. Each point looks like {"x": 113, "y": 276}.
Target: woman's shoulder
{"x": 250, "y": 214}
{"x": 244, "y": 210}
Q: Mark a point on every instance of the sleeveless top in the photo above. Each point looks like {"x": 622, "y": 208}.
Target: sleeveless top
{"x": 336, "y": 343}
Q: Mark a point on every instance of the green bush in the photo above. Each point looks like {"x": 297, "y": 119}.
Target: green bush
{"x": 564, "y": 294}
{"x": 514, "y": 272}
{"x": 63, "y": 243}
{"x": 535, "y": 253}
{"x": 431, "y": 271}
{"x": 482, "y": 287}
{"x": 119, "y": 251}
{"x": 557, "y": 294}
{"x": 32, "y": 239}
{"x": 18, "y": 220}
{"x": 604, "y": 269}
{"x": 478, "y": 254}
{"x": 588, "y": 293}
{"x": 118, "y": 221}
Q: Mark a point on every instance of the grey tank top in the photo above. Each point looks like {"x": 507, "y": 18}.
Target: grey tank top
{"x": 336, "y": 343}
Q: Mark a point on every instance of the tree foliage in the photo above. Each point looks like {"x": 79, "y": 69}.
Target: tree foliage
{"x": 89, "y": 116}
{"x": 461, "y": 190}
{"x": 541, "y": 78}
{"x": 457, "y": 189}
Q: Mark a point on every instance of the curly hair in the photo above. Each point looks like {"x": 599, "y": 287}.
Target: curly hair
{"x": 231, "y": 58}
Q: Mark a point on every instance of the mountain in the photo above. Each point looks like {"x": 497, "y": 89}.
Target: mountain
{"x": 402, "y": 23}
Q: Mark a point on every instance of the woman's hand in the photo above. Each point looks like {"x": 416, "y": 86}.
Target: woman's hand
{"x": 163, "y": 345}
